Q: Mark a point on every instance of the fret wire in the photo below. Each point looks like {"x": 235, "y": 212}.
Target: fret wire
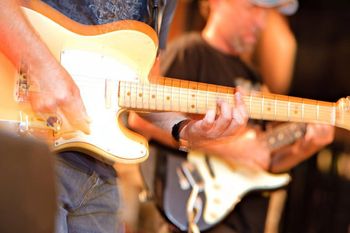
{"x": 288, "y": 109}
{"x": 145, "y": 97}
{"x": 275, "y": 100}
{"x": 206, "y": 99}
{"x": 313, "y": 105}
{"x": 143, "y": 93}
{"x": 139, "y": 95}
{"x": 124, "y": 94}
{"x": 306, "y": 109}
{"x": 179, "y": 97}
{"x": 227, "y": 95}
{"x": 126, "y": 97}
{"x": 302, "y": 109}
{"x": 129, "y": 97}
{"x": 250, "y": 103}
{"x": 163, "y": 102}
{"x": 188, "y": 93}
{"x": 121, "y": 95}
{"x": 171, "y": 94}
{"x": 262, "y": 106}
{"x": 157, "y": 95}
{"x": 196, "y": 98}
{"x": 136, "y": 93}
{"x": 150, "y": 97}
{"x": 333, "y": 116}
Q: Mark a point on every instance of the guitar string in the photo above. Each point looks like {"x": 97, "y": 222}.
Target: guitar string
{"x": 316, "y": 105}
{"x": 323, "y": 114}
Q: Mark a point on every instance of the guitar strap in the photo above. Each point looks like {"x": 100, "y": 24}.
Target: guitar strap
{"x": 155, "y": 16}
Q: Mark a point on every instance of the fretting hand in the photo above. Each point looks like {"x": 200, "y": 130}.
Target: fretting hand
{"x": 229, "y": 121}
{"x": 316, "y": 137}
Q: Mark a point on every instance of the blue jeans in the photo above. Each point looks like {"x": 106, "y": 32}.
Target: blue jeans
{"x": 86, "y": 202}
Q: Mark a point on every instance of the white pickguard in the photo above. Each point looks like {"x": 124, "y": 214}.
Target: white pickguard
{"x": 230, "y": 184}
{"x": 97, "y": 77}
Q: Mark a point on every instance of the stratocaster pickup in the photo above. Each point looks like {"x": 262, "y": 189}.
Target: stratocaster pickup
{"x": 108, "y": 93}
{"x": 192, "y": 175}
{"x": 21, "y": 86}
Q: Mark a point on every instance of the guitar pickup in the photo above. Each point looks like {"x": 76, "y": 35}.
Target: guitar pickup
{"x": 108, "y": 93}
{"x": 192, "y": 175}
{"x": 184, "y": 184}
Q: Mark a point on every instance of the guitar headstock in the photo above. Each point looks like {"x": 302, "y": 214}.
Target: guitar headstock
{"x": 343, "y": 113}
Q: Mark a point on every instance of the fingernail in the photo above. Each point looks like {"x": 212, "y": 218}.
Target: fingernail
{"x": 237, "y": 117}
{"x": 86, "y": 129}
{"x": 209, "y": 117}
{"x": 238, "y": 95}
{"x": 88, "y": 119}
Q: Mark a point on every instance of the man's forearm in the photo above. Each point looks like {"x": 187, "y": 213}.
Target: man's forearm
{"x": 18, "y": 40}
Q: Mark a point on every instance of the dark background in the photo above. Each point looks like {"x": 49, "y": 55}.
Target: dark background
{"x": 319, "y": 196}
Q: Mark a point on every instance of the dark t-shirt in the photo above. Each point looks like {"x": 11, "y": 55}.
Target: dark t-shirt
{"x": 102, "y": 12}
{"x": 191, "y": 58}
{"x": 107, "y": 11}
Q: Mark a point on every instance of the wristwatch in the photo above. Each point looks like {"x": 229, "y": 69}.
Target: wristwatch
{"x": 175, "y": 132}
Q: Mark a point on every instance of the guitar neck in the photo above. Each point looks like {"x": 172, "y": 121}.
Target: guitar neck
{"x": 284, "y": 135}
{"x": 166, "y": 94}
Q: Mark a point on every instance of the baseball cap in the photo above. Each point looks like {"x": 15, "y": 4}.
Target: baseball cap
{"x": 287, "y": 7}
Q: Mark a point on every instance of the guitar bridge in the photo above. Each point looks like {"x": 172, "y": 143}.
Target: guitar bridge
{"x": 22, "y": 86}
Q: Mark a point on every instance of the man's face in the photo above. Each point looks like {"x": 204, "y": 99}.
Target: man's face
{"x": 242, "y": 23}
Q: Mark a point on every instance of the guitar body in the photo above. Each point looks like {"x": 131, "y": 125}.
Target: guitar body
{"x": 225, "y": 186}
{"x": 221, "y": 186}
{"x": 97, "y": 57}
{"x": 174, "y": 197}
{"x": 219, "y": 194}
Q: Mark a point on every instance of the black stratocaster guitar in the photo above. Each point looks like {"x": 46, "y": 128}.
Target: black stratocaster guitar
{"x": 221, "y": 186}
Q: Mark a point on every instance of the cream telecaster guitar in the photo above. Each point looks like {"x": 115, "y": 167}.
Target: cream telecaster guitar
{"x": 111, "y": 65}
{"x": 221, "y": 186}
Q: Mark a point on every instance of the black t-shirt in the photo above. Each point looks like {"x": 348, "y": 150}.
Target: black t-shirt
{"x": 191, "y": 58}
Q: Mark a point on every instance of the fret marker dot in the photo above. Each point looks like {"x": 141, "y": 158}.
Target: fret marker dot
{"x": 153, "y": 96}
{"x": 140, "y": 94}
{"x": 167, "y": 98}
{"x": 192, "y": 106}
{"x": 128, "y": 94}
{"x": 280, "y": 136}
